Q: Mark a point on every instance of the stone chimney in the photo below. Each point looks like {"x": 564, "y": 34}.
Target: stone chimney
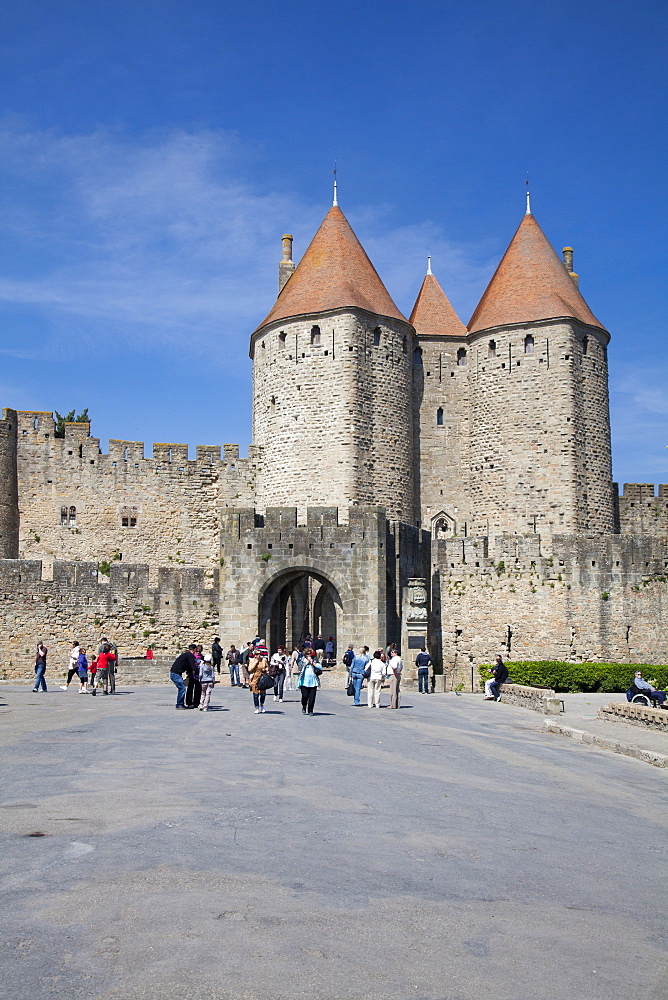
{"x": 287, "y": 265}
{"x": 568, "y": 263}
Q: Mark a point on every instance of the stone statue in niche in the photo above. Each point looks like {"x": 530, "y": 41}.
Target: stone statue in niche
{"x": 417, "y": 595}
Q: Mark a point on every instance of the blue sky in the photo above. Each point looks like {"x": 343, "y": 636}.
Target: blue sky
{"x": 152, "y": 154}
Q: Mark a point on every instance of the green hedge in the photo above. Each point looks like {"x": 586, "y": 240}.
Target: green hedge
{"x": 581, "y": 676}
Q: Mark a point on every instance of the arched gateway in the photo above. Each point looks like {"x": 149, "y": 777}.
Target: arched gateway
{"x": 297, "y": 602}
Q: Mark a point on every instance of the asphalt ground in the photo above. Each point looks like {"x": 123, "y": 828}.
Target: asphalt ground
{"x": 446, "y": 851}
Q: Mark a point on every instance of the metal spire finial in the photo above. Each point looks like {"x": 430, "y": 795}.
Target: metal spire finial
{"x": 428, "y": 265}
{"x": 528, "y": 209}
{"x": 335, "y": 202}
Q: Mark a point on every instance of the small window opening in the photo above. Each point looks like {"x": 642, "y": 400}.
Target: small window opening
{"x": 404, "y": 345}
{"x": 125, "y": 454}
{"x": 73, "y": 515}
{"x": 272, "y": 406}
{"x": 80, "y": 451}
{"x": 585, "y": 345}
{"x": 528, "y": 344}
{"x": 491, "y": 349}
{"x": 63, "y": 515}
{"x": 461, "y": 357}
{"x": 376, "y": 337}
{"x": 439, "y": 416}
{"x": 35, "y": 423}
{"x": 315, "y": 336}
{"x": 281, "y": 339}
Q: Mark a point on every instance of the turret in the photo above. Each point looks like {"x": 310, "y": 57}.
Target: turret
{"x": 540, "y": 424}
{"x": 9, "y": 492}
{"x": 333, "y": 384}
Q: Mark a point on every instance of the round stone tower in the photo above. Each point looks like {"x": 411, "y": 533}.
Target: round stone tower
{"x": 333, "y": 384}
{"x": 9, "y": 491}
{"x": 540, "y": 427}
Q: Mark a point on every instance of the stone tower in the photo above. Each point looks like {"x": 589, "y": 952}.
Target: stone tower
{"x": 333, "y": 384}
{"x": 442, "y": 412}
{"x": 9, "y": 493}
{"x": 539, "y": 424}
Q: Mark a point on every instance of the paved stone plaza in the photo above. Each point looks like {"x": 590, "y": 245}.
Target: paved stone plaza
{"x": 448, "y": 851}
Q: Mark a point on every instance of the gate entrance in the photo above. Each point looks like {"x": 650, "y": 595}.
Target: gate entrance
{"x": 297, "y": 603}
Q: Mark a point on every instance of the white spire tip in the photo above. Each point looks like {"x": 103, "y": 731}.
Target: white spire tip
{"x": 428, "y": 265}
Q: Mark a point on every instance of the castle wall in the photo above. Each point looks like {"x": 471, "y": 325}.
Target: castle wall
{"x": 334, "y": 419}
{"x": 442, "y": 450}
{"x": 77, "y": 603}
{"x": 581, "y": 598}
{"x": 174, "y": 501}
{"x": 641, "y": 512}
{"x": 539, "y": 431}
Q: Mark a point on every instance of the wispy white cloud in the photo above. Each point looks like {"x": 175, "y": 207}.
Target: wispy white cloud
{"x": 639, "y": 411}
{"x": 161, "y": 240}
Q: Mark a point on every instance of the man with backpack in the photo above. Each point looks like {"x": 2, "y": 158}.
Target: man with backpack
{"x": 348, "y": 658}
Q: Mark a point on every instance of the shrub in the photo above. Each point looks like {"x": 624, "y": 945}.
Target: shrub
{"x": 574, "y": 677}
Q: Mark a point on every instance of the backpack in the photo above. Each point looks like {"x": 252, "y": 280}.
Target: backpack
{"x": 348, "y": 657}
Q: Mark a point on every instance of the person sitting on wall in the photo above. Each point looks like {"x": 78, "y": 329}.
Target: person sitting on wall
{"x": 499, "y": 677}
{"x": 644, "y": 687}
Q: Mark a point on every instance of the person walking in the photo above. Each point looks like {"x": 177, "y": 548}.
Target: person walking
{"x": 319, "y": 647}
{"x": 309, "y": 681}
{"x": 40, "y": 667}
{"x": 423, "y": 662}
{"x": 348, "y": 658}
{"x": 82, "y": 670}
{"x": 182, "y": 664}
{"x": 259, "y": 680}
{"x": 72, "y": 665}
{"x": 232, "y": 660}
{"x": 395, "y": 667}
{"x": 358, "y": 671}
{"x": 216, "y": 654}
{"x": 279, "y": 664}
{"x": 499, "y": 676}
{"x": 207, "y": 679}
{"x": 376, "y": 669}
{"x": 330, "y": 651}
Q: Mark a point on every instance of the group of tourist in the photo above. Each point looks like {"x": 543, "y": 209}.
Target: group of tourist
{"x": 252, "y": 668}
{"x": 98, "y": 672}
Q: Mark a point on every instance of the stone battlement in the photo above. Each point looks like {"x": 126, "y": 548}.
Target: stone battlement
{"x": 598, "y": 561}
{"x": 40, "y": 426}
{"x": 641, "y": 511}
{"x": 23, "y": 574}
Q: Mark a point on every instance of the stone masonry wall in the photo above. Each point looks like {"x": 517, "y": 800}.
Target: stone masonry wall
{"x": 540, "y": 431}
{"x": 442, "y": 450}
{"x": 582, "y": 599}
{"x": 262, "y": 553}
{"x": 174, "y": 501}
{"x": 334, "y": 417}
{"x": 78, "y": 603}
{"x": 641, "y": 512}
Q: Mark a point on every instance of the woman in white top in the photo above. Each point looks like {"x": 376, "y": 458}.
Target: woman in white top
{"x": 377, "y": 668}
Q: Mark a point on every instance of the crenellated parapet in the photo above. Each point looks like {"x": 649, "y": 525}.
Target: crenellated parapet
{"x": 641, "y": 510}
{"x": 597, "y": 562}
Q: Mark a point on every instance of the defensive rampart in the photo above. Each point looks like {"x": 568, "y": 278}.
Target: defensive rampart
{"x": 600, "y": 598}
{"x": 641, "y": 512}
{"x": 78, "y": 602}
{"x": 78, "y": 503}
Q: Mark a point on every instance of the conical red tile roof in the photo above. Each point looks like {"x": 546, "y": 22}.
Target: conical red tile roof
{"x": 530, "y": 283}
{"x": 432, "y": 312}
{"x": 334, "y": 272}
